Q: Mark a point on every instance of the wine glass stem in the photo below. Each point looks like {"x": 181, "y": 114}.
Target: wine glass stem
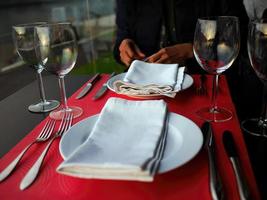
{"x": 62, "y": 92}
{"x": 41, "y": 85}
{"x": 263, "y": 118}
{"x": 214, "y": 93}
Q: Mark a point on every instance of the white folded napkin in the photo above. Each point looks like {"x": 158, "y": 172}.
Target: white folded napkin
{"x": 123, "y": 144}
{"x": 145, "y": 78}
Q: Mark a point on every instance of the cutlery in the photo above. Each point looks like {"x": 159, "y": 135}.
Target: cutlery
{"x": 231, "y": 151}
{"x": 103, "y": 89}
{"x": 201, "y": 89}
{"x": 216, "y": 186}
{"x": 42, "y": 137}
{"x": 88, "y": 86}
{"x": 28, "y": 179}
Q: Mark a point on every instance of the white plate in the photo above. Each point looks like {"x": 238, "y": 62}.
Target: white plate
{"x": 188, "y": 81}
{"x": 184, "y": 140}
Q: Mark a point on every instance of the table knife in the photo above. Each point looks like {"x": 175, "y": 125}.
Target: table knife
{"x": 231, "y": 151}
{"x": 215, "y": 184}
{"x": 88, "y": 86}
{"x": 103, "y": 89}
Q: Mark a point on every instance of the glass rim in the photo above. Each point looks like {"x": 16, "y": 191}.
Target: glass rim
{"x": 218, "y": 17}
{"x": 51, "y": 24}
{"x": 30, "y": 24}
{"x": 258, "y": 21}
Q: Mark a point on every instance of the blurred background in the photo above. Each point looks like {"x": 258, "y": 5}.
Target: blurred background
{"x": 94, "y": 21}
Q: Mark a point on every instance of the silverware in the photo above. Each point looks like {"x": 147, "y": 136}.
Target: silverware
{"x": 216, "y": 187}
{"x": 202, "y": 89}
{"x": 103, "y": 89}
{"x": 42, "y": 137}
{"x": 88, "y": 86}
{"x": 33, "y": 172}
{"x": 231, "y": 151}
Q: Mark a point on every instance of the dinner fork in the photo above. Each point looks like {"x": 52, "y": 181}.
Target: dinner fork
{"x": 42, "y": 137}
{"x": 201, "y": 89}
{"x": 28, "y": 179}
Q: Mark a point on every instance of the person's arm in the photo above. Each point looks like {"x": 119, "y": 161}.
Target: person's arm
{"x": 122, "y": 25}
{"x": 125, "y": 49}
{"x": 129, "y": 52}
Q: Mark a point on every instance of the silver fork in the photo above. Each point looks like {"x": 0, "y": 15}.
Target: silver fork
{"x": 43, "y": 136}
{"x": 33, "y": 172}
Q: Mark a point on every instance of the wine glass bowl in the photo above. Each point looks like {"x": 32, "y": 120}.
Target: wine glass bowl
{"x": 257, "y": 48}
{"x": 58, "y": 51}
{"x": 216, "y": 46}
{"x": 23, "y": 37}
{"x": 24, "y": 42}
{"x": 257, "y": 51}
{"x": 56, "y": 48}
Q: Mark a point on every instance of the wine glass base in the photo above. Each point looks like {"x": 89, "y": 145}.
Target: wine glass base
{"x": 214, "y": 115}
{"x": 254, "y": 127}
{"x": 44, "y": 106}
{"x": 58, "y": 114}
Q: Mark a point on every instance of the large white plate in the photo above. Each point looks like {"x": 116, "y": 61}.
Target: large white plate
{"x": 188, "y": 81}
{"x": 184, "y": 140}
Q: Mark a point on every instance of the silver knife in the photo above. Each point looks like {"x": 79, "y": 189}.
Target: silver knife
{"x": 103, "y": 89}
{"x": 88, "y": 86}
{"x": 216, "y": 187}
{"x": 230, "y": 147}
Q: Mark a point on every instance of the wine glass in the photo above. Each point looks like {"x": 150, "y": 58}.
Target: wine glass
{"x": 257, "y": 51}
{"x": 23, "y": 37}
{"x": 216, "y": 46}
{"x": 56, "y": 48}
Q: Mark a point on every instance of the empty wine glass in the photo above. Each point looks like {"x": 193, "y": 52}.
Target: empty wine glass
{"x": 257, "y": 50}
{"x": 56, "y": 48}
{"x": 216, "y": 46}
{"x": 23, "y": 37}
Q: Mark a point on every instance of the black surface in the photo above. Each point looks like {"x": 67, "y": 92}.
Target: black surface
{"x": 15, "y": 79}
{"x": 15, "y": 119}
{"x": 257, "y": 149}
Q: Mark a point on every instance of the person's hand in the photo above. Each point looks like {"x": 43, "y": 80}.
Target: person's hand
{"x": 129, "y": 51}
{"x": 172, "y": 54}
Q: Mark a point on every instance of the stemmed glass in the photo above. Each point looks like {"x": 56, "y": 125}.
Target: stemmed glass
{"x": 216, "y": 46}
{"x": 257, "y": 50}
{"x": 56, "y": 48}
{"x": 23, "y": 37}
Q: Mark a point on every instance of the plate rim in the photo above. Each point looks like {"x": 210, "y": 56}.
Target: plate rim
{"x": 198, "y": 146}
{"x": 110, "y": 87}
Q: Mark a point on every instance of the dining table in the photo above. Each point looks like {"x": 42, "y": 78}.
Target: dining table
{"x": 190, "y": 181}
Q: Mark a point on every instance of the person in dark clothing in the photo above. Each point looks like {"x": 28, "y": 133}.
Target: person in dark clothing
{"x": 163, "y": 31}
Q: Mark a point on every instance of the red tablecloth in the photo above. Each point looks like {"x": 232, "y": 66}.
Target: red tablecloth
{"x": 187, "y": 182}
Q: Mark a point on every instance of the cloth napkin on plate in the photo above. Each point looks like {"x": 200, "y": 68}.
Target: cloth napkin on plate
{"x": 151, "y": 79}
{"x": 123, "y": 144}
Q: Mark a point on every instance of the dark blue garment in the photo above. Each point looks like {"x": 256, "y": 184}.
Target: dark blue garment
{"x": 141, "y": 20}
